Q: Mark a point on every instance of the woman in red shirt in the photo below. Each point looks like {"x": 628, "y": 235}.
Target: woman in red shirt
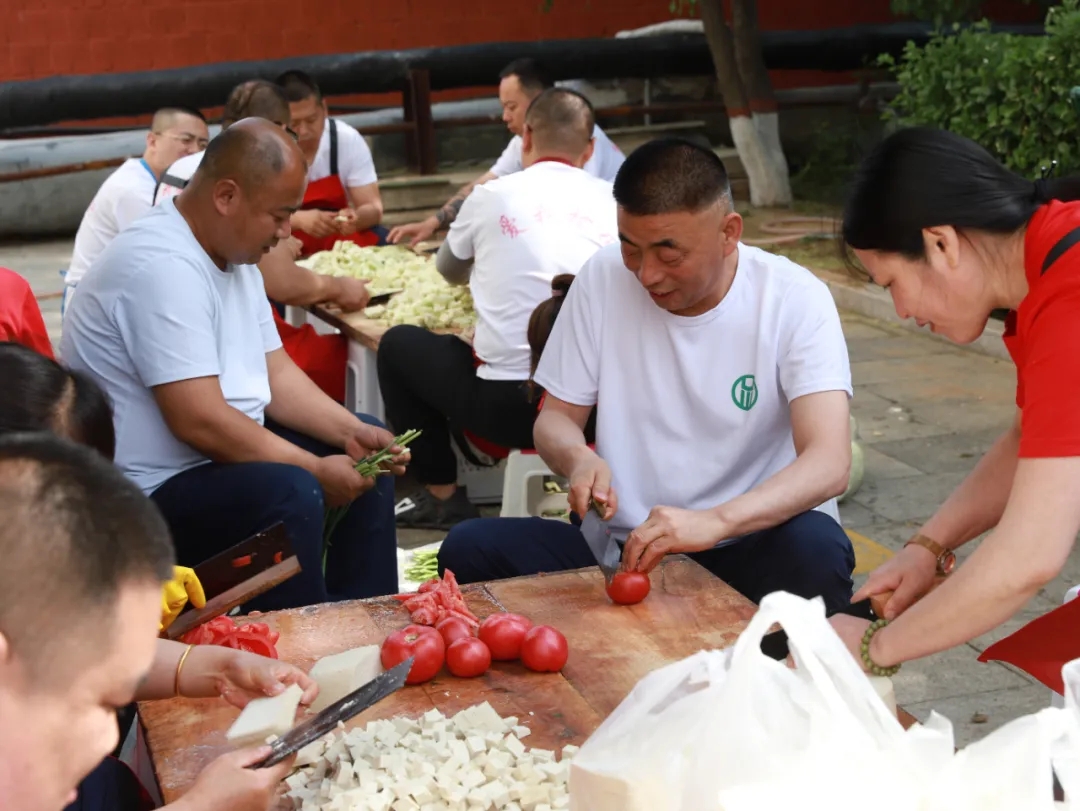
{"x": 953, "y": 235}
{"x": 20, "y": 316}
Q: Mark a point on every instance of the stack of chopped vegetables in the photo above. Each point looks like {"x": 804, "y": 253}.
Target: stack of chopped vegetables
{"x": 368, "y": 467}
{"x": 437, "y": 600}
{"x": 426, "y": 299}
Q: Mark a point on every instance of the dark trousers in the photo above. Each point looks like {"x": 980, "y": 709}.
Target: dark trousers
{"x": 112, "y": 786}
{"x": 809, "y": 555}
{"x": 214, "y": 506}
{"x": 429, "y": 383}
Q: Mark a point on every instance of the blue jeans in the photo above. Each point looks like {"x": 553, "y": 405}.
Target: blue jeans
{"x": 214, "y": 506}
{"x": 809, "y": 555}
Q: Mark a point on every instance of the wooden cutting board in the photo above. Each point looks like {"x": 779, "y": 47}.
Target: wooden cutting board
{"x": 358, "y": 327}
{"x": 611, "y": 649}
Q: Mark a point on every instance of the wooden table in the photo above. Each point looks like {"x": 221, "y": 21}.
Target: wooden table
{"x": 611, "y": 649}
{"x": 358, "y": 327}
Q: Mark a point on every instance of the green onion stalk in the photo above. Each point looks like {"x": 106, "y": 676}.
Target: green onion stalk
{"x": 368, "y": 467}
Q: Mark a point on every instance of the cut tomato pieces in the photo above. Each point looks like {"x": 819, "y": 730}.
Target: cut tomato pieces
{"x": 254, "y": 637}
{"x": 436, "y": 600}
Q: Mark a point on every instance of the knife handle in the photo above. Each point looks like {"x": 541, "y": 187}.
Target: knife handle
{"x": 878, "y": 602}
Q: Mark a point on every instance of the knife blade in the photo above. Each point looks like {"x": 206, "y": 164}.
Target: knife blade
{"x": 604, "y": 547}
{"x": 353, "y": 704}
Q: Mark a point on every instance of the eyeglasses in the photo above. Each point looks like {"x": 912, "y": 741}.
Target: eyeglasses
{"x": 186, "y": 138}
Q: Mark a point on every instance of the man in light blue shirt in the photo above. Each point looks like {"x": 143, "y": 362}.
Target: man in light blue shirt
{"x": 213, "y": 420}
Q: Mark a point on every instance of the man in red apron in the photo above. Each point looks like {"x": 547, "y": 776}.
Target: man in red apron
{"x": 322, "y": 357}
{"x": 342, "y": 200}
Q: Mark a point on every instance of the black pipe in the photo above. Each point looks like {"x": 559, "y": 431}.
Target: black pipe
{"x": 72, "y": 98}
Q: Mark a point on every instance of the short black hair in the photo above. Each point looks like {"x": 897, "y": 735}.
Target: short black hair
{"x": 532, "y": 77}
{"x": 561, "y": 120}
{"x": 167, "y": 113}
{"x": 75, "y": 533}
{"x": 667, "y": 175}
{"x": 256, "y": 99}
{"x": 298, "y": 86}
{"x": 41, "y": 395}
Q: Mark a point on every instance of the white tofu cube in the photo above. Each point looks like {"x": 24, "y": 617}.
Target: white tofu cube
{"x": 514, "y": 746}
{"x": 266, "y": 716}
{"x": 342, "y": 673}
{"x": 476, "y": 744}
{"x": 522, "y": 732}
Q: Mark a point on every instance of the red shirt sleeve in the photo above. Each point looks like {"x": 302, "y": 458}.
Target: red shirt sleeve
{"x": 20, "y": 316}
{"x": 1050, "y": 390}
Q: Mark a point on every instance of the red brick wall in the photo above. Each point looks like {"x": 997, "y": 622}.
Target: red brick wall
{"x": 47, "y": 37}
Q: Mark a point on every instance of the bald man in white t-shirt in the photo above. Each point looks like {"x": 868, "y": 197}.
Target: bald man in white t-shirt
{"x": 519, "y": 83}
{"x": 720, "y": 377}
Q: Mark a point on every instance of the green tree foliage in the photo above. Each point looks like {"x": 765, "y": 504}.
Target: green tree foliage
{"x": 945, "y": 11}
{"x": 1009, "y": 93}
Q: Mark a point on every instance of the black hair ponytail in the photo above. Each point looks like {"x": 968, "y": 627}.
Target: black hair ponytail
{"x": 919, "y": 178}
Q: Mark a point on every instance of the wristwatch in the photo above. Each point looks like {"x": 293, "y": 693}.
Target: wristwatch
{"x": 946, "y": 560}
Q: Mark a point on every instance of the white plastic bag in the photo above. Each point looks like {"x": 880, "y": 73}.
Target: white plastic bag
{"x": 1008, "y": 770}
{"x": 738, "y": 731}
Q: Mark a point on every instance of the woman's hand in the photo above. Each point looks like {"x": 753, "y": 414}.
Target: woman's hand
{"x": 238, "y": 676}
{"x": 228, "y": 783}
{"x": 909, "y": 575}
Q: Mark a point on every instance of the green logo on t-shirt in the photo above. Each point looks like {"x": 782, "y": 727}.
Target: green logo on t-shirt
{"x": 744, "y": 392}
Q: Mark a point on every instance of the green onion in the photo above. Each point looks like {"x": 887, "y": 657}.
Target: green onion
{"x": 423, "y": 566}
{"x": 368, "y": 467}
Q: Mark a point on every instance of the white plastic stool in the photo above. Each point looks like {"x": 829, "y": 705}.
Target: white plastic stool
{"x": 523, "y": 484}
{"x": 483, "y": 483}
{"x": 362, "y": 392}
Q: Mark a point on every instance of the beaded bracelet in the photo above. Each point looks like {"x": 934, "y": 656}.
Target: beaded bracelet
{"x": 874, "y": 669}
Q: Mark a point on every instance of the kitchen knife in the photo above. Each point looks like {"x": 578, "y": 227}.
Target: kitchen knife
{"x": 239, "y": 575}
{"x": 353, "y": 704}
{"x": 604, "y": 547}
{"x": 381, "y": 298}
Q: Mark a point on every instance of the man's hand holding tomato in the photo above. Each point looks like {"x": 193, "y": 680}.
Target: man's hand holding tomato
{"x": 671, "y": 531}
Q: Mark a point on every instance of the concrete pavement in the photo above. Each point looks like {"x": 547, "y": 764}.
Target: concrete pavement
{"x": 926, "y": 411}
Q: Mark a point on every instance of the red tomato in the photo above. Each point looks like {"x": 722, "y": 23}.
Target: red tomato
{"x": 453, "y": 629}
{"x": 628, "y": 588}
{"x": 415, "y": 640}
{"x": 468, "y": 657}
{"x": 503, "y": 633}
{"x": 544, "y": 650}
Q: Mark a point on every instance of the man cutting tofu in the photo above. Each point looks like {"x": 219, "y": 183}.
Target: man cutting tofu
{"x": 342, "y": 200}
{"x": 520, "y": 82}
{"x": 128, "y": 193}
{"x": 721, "y": 381}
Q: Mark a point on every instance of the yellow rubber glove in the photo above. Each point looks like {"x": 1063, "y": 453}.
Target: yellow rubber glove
{"x": 175, "y": 595}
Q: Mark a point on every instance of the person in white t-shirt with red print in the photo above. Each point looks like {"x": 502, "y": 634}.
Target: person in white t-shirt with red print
{"x": 519, "y": 83}
{"x": 514, "y": 236}
{"x": 721, "y": 381}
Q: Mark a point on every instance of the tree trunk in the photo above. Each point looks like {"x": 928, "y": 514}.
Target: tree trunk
{"x": 759, "y": 91}
{"x": 768, "y": 185}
